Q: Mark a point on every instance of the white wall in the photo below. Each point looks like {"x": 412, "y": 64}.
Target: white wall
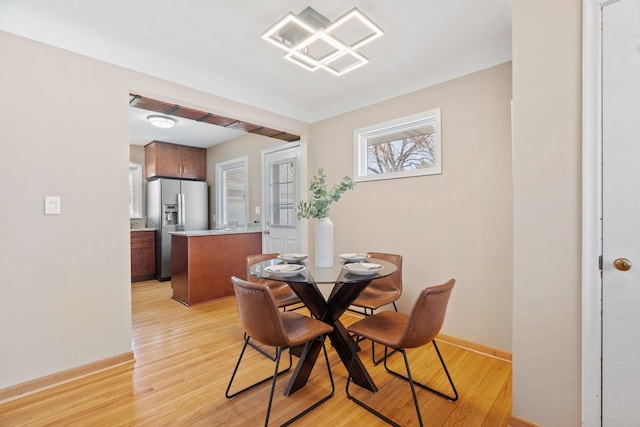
{"x": 66, "y": 279}
{"x": 457, "y": 224}
{"x": 249, "y": 145}
{"x": 547, "y": 187}
{"x": 66, "y": 298}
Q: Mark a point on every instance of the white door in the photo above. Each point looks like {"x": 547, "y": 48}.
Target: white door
{"x": 280, "y": 195}
{"x": 621, "y": 214}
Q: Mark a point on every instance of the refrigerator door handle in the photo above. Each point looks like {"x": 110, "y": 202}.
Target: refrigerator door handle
{"x": 184, "y": 210}
{"x": 180, "y": 212}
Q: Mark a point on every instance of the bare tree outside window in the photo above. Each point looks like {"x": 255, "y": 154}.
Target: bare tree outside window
{"x": 404, "y": 147}
{"x": 417, "y": 152}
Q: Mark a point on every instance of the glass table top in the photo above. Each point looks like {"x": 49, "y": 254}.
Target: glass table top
{"x": 307, "y": 272}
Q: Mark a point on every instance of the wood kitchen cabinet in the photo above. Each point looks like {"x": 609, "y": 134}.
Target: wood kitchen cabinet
{"x": 166, "y": 160}
{"x": 143, "y": 255}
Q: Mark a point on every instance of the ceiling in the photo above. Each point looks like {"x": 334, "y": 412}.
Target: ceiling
{"x": 192, "y": 127}
{"x": 185, "y": 132}
{"x": 216, "y": 46}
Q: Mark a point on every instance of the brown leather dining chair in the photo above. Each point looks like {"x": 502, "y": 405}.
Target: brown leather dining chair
{"x": 283, "y": 294}
{"x": 263, "y": 322}
{"x": 400, "y": 331}
{"x": 381, "y": 292}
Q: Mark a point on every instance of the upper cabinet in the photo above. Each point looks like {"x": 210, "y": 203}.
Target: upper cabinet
{"x": 166, "y": 160}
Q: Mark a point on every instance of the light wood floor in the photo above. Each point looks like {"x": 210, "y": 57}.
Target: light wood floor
{"x": 185, "y": 355}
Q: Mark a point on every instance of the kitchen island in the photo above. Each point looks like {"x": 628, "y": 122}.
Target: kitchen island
{"x": 202, "y": 262}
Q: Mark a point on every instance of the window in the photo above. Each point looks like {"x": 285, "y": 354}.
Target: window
{"x": 135, "y": 190}
{"x": 409, "y": 146}
{"x": 232, "y": 191}
{"x": 282, "y": 192}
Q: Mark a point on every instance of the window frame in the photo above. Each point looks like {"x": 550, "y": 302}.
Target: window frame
{"x": 405, "y": 124}
{"x": 221, "y": 168}
{"x": 135, "y": 191}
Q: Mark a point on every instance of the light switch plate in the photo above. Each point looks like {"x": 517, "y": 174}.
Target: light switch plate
{"x": 52, "y": 205}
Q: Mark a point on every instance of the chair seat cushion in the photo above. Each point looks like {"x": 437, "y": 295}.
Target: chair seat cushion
{"x": 300, "y": 328}
{"x": 284, "y": 295}
{"x": 375, "y": 298}
{"x": 385, "y": 328}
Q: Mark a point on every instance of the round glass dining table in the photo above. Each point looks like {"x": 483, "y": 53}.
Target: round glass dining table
{"x": 305, "y": 279}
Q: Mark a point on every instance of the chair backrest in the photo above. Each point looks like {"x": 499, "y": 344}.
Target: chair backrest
{"x": 254, "y": 259}
{"x": 389, "y": 283}
{"x": 259, "y": 313}
{"x": 427, "y": 315}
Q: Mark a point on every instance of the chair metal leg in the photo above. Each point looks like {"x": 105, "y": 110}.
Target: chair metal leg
{"x": 411, "y": 383}
{"x": 273, "y": 386}
{"x": 260, "y": 349}
{"x": 357, "y": 401}
{"x": 408, "y": 378}
{"x": 446, "y": 371}
{"x": 235, "y": 370}
{"x": 274, "y": 377}
{"x": 373, "y": 354}
{"x": 324, "y": 399}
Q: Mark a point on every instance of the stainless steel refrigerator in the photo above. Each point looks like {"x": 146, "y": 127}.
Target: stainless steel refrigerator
{"x": 174, "y": 205}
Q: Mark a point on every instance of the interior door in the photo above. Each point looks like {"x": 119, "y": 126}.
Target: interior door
{"x": 621, "y": 213}
{"x": 281, "y": 178}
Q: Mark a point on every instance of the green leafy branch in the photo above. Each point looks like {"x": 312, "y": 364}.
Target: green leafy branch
{"x": 321, "y": 198}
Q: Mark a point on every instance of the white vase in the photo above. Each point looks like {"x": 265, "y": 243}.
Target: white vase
{"x": 324, "y": 242}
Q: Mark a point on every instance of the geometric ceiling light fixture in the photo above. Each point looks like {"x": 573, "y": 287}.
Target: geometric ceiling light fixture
{"x": 312, "y": 41}
{"x": 162, "y": 121}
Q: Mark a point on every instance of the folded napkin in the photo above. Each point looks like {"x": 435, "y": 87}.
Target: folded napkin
{"x": 356, "y": 255}
{"x": 285, "y": 268}
{"x": 365, "y": 266}
{"x": 296, "y": 256}
{"x": 292, "y": 257}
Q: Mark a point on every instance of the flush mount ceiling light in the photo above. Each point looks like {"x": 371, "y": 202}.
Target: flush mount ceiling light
{"x": 312, "y": 41}
{"x": 162, "y": 121}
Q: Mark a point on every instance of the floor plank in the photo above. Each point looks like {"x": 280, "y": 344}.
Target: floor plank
{"x": 185, "y": 355}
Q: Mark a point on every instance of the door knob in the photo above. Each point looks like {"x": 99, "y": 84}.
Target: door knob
{"x": 266, "y": 232}
{"x": 622, "y": 264}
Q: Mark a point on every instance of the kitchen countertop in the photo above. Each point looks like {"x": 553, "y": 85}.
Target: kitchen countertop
{"x": 143, "y": 229}
{"x": 217, "y": 232}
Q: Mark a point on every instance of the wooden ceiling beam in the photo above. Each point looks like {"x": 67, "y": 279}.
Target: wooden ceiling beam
{"x": 162, "y": 107}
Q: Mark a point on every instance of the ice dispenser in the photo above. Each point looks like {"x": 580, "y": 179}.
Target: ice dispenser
{"x": 170, "y": 214}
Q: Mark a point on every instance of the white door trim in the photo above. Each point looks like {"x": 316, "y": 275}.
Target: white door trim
{"x": 592, "y": 212}
{"x": 302, "y": 185}
{"x": 221, "y": 167}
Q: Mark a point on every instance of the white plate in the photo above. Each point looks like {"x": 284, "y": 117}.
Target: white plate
{"x": 292, "y": 257}
{"x": 362, "y": 268}
{"x": 284, "y": 269}
{"x": 359, "y": 256}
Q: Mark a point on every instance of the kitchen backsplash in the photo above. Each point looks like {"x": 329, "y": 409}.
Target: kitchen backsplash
{"x": 138, "y": 223}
